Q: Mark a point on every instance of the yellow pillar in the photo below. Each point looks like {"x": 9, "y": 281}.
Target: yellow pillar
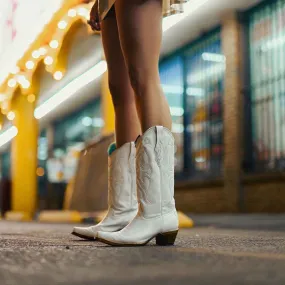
{"x": 108, "y": 113}
{"x": 1, "y": 121}
{"x": 24, "y": 157}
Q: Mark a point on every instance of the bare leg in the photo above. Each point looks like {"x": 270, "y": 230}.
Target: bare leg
{"x": 140, "y": 31}
{"x": 127, "y": 122}
{"x": 139, "y": 23}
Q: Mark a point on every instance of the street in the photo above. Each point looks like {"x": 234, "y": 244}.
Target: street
{"x": 219, "y": 250}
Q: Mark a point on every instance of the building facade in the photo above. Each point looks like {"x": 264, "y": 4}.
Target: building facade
{"x": 226, "y": 96}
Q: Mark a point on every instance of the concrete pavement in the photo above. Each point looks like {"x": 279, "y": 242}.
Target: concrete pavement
{"x": 32, "y": 253}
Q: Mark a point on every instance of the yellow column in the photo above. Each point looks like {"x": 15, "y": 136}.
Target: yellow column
{"x": 107, "y": 107}
{"x": 1, "y": 121}
{"x": 24, "y": 157}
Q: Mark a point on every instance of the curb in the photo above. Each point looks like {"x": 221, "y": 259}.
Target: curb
{"x": 59, "y": 217}
{"x": 18, "y": 216}
{"x": 184, "y": 221}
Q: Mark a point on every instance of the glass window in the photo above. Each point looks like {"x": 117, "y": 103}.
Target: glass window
{"x": 5, "y": 166}
{"x": 171, "y": 75}
{"x": 79, "y": 127}
{"x": 267, "y": 59}
{"x": 41, "y": 168}
{"x": 205, "y": 68}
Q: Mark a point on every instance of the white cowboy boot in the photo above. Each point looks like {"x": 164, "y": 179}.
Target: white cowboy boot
{"x": 157, "y": 216}
{"x": 122, "y": 196}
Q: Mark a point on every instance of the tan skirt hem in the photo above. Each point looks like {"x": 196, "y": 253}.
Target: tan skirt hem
{"x": 170, "y": 7}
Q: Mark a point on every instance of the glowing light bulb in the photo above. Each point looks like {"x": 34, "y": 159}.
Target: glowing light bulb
{"x": 72, "y": 13}
{"x": 83, "y": 12}
{"x": 58, "y": 75}
{"x": 40, "y": 172}
{"x": 42, "y": 51}
{"x": 54, "y": 44}
{"x": 11, "y": 116}
{"x": 21, "y": 78}
{"x": 30, "y": 64}
{"x": 31, "y": 98}
{"x": 26, "y": 84}
{"x": 36, "y": 54}
{"x": 48, "y": 60}
{"x": 62, "y": 25}
{"x": 12, "y": 82}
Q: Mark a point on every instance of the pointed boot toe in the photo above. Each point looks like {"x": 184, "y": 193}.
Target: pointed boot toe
{"x": 85, "y": 233}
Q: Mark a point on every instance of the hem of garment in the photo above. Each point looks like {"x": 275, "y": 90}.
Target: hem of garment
{"x": 166, "y": 14}
{"x": 103, "y": 15}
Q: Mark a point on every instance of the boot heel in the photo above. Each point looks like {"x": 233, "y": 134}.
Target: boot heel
{"x": 166, "y": 238}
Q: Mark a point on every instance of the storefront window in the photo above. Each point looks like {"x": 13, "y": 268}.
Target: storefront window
{"x": 171, "y": 75}
{"x": 79, "y": 128}
{"x": 5, "y": 165}
{"x": 267, "y": 58}
{"x": 205, "y": 67}
{"x": 42, "y": 169}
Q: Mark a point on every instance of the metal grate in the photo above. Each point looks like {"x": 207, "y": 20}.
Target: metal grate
{"x": 267, "y": 73}
{"x": 171, "y": 76}
{"x": 204, "y": 66}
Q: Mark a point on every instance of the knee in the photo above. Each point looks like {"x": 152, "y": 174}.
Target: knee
{"x": 121, "y": 92}
{"x": 140, "y": 79}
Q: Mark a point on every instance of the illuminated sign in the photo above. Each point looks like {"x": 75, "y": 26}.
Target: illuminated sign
{"x": 21, "y": 21}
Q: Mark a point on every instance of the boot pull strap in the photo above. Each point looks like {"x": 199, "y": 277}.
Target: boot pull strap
{"x": 157, "y": 149}
{"x": 159, "y": 132}
{"x": 132, "y": 150}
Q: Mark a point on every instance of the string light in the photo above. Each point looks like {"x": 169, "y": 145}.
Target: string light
{"x": 25, "y": 83}
{"x": 21, "y": 78}
{"x": 40, "y": 172}
{"x": 54, "y": 44}
{"x": 48, "y": 60}
{"x": 11, "y": 116}
{"x": 12, "y": 83}
{"x": 30, "y": 64}
{"x": 58, "y": 75}
{"x": 42, "y": 51}
{"x": 83, "y": 12}
{"x": 36, "y": 54}
{"x": 72, "y": 13}
{"x": 62, "y": 25}
{"x": 100, "y": 68}
{"x": 31, "y": 98}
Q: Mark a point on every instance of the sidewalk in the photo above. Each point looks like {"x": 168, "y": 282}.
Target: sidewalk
{"x": 32, "y": 253}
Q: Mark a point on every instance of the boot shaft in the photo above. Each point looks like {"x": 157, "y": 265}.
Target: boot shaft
{"x": 122, "y": 179}
{"x": 155, "y": 172}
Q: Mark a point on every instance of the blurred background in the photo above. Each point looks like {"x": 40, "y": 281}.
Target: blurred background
{"x": 222, "y": 70}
